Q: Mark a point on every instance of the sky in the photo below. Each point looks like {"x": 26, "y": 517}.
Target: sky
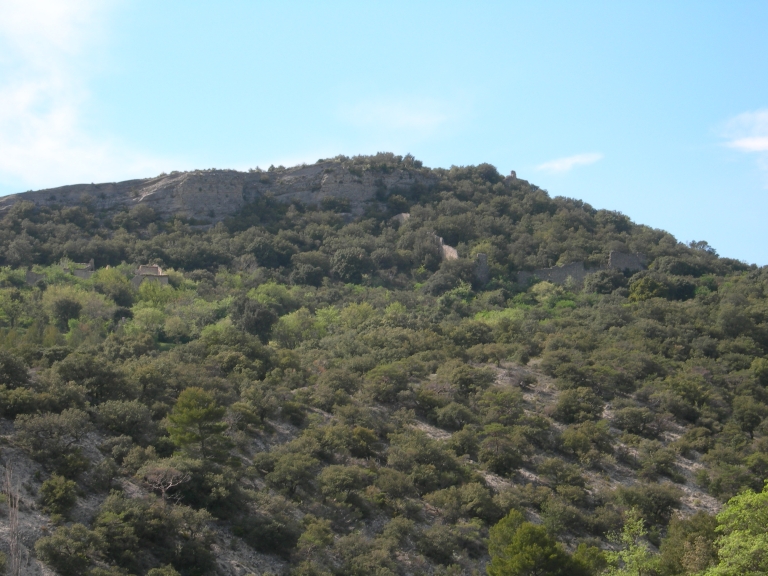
{"x": 656, "y": 109}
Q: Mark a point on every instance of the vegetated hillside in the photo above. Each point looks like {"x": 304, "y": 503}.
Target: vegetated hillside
{"x": 317, "y": 393}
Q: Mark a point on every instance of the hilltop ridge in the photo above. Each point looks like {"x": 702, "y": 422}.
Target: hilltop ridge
{"x": 212, "y": 195}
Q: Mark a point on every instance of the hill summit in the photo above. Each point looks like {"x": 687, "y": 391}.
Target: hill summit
{"x": 212, "y": 195}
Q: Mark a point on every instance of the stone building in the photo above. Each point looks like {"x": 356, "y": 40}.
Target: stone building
{"x": 149, "y": 273}
{"x": 80, "y": 270}
{"x": 33, "y": 278}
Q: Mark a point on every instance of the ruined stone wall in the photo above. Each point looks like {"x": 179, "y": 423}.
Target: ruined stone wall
{"x": 578, "y": 272}
{"x": 557, "y": 274}
{"x": 623, "y": 261}
{"x": 139, "y": 278}
{"x": 33, "y": 278}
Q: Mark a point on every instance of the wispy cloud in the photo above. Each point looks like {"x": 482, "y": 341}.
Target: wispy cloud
{"x": 748, "y": 132}
{"x": 49, "y": 49}
{"x": 570, "y": 162}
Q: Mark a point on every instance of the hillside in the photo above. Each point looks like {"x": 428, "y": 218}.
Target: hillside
{"x": 367, "y": 366}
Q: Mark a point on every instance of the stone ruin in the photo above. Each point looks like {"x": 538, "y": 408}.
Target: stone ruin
{"x": 143, "y": 273}
{"x": 447, "y": 252}
{"x": 482, "y": 271}
{"x": 80, "y": 270}
{"x": 623, "y": 261}
{"x": 77, "y": 269}
{"x": 149, "y": 273}
{"x": 577, "y": 272}
{"x": 33, "y": 278}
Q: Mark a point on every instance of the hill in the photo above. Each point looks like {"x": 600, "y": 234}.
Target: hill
{"x": 368, "y": 366}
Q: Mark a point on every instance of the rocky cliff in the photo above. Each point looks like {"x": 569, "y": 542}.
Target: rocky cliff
{"x": 212, "y": 195}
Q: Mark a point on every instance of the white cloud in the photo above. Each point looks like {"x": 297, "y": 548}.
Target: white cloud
{"x": 748, "y": 132}
{"x": 48, "y": 50}
{"x": 569, "y": 162}
{"x": 752, "y": 144}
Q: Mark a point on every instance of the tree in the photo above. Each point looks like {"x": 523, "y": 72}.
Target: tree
{"x": 635, "y": 557}
{"x": 749, "y": 413}
{"x": 292, "y": 471}
{"x": 12, "y": 304}
{"x": 578, "y": 405}
{"x": 99, "y": 377}
{"x": 162, "y": 476}
{"x": 689, "y": 545}
{"x": 64, "y": 310}
{"x": 260, "y": 401}
{"x": 338, "y": 482}
{"x": 519, "y": 548}
{"x": 742, "y": 548}
{"x": 253, "y": 317}
{"x": 502, "y": 450}
{"x": 654, "y": 502}
{"x": 69, "y": 549}
{"x": 195, "y": 424}
{"x": 112, "y": 283}
{"x": 587, "y": 440}
{"x": 349, "y": 264}
{"x": 454, "y": 416}
{"x": 13, "y": 371}
{"x": 647, "y": 288}
{"x": 11, "y": 489}
{"x": 126, "y": 418}
{"x": 52, "y": 436}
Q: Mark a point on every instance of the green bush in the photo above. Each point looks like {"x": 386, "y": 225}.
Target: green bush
{"x": 69, "y": 550}
{"x": 58, "y": 495}
{"x": 518, "y": 548}
{"x": 655, "y": 502}
{"x": 578, "y": 405}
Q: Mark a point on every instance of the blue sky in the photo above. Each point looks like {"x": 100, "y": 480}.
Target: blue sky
{"x": 656, "y": 109}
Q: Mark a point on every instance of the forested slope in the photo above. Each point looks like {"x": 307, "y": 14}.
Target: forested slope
{"x": 320, "y": 393}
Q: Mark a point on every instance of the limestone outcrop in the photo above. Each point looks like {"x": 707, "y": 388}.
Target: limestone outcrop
{"x": 212, "y": 195}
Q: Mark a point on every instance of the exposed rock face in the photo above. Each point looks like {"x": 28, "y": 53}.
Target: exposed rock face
{"x": 401, "y": 218}
{"x": 215, "y": 194}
